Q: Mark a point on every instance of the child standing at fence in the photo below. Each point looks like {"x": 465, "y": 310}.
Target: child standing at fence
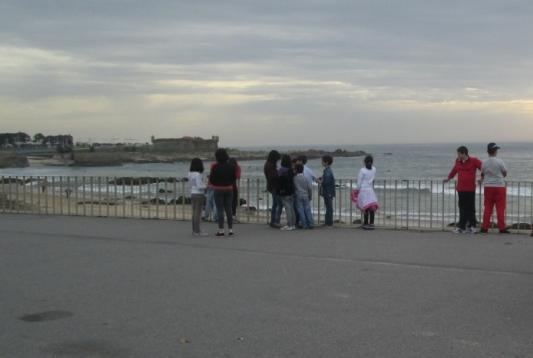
{"x": 327, "y": 189}
{"x": 304, "y": 191}
{"x": 367, "y": 201}
{"x": 196, "y": 182}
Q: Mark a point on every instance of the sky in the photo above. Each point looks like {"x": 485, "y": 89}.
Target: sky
{"x": 260, "y": 73}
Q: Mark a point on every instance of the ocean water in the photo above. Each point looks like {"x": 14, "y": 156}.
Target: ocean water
{"x": 393, "y": 161}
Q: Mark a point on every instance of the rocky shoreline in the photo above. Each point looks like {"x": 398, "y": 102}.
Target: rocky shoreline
{"x": 115, "y": 158}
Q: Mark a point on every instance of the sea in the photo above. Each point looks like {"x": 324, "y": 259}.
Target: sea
{"x": 393, "y": 161}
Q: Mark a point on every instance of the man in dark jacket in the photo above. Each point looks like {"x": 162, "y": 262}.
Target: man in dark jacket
{"x": 327, "y": 189}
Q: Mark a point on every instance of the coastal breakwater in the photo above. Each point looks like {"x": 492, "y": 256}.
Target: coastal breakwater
{"x": 118, "y": 158}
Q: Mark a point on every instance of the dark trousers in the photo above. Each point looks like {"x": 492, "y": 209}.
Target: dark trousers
{"x": 277, "y": 207}
{"x": 223, "y": 201}
{"x": 467, "y": 209}
{"x": 369, "y": 214}
{"x": 328, "y": 203}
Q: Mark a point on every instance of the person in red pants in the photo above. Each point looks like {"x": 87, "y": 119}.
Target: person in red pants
{"x": 493, "y": 173}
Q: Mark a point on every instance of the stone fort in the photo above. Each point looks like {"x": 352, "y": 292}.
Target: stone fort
{"x": 185, "y": 144}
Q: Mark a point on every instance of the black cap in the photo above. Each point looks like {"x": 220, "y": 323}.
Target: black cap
{"x": 492, "y": 146}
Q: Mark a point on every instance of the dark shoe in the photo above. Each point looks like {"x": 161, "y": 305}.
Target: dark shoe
{"x": 505, "y": 231}
{"x": 219, "y": 233}
{"x": 230, "y": 233}
{"x": 483, "y": 231}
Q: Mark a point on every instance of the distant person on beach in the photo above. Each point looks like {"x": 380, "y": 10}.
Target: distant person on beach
{"x": 196, "y": 182}
{"x": 286, "y": 191}
{"x": 270, "y": 170}
{"x": 304, "y": 193}
{"x": 493, "y": 173}
{"x": 367, "y": 200}
{"x": 222, "y": 177}
{"x": 465, "y": 168}
{"x": 233, "y": 162}
{"x": 327, "y": 189}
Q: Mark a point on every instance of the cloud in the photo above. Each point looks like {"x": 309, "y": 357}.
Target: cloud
{"x": 256, "y": 72}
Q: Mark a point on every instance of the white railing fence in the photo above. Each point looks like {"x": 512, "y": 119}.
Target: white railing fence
{"x": 405, "y": 204}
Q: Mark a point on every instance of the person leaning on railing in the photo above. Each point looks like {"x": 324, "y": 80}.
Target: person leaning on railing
{"x": 465, "y": 168}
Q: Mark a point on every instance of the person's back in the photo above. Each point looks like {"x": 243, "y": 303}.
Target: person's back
{"x": 285, "y": 182}
{"x": 302, "y": 187}
{"x": 493, "y": 169}
{"x": 366, "y": 178}
{"x": 222, "y": 176}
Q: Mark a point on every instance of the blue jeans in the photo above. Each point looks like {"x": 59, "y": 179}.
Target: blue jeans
{"x": 277, "y": 207}
{"x": 304, "y": 212}
{"x": 210, "y": 206}
{"x": 328, "y": 203}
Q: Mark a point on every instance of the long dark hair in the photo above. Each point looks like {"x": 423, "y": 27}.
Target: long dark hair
{"x": 197, "y": 165}
{"x": 221, "y": 155}
{"x": 369, "y": 160}
{"x": 273, "y": 156}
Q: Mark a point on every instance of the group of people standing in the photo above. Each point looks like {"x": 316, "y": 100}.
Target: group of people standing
{"x": 493, "y": 173}
{"x": 290, "y": 183}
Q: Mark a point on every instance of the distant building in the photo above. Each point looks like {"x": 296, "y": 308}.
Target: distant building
{"x": 65, "y": 141}
{"x": 185, "y": 144}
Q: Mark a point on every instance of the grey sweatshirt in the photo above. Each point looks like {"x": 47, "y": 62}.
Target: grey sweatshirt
{"x": 302, "y": 187}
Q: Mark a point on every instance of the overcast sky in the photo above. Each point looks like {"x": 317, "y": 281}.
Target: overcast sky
{"x": 269, "y": 72}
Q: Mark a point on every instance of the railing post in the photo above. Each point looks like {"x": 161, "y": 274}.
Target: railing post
{"x": 183, "y": 201}
{"x": 175, "y": 191}
{"x": 518, "y": 213}
{"x": 395, "y": 203}
{"x": 132, "y": 214}
{"x": 257, "y": 205}
{"x": 443, "y": 203}
{"x": 107, "y": 201}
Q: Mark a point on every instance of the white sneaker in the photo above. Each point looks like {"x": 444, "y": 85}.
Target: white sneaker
{"x": 285, "y": 228}
{"x": 472, "y": 230}
{"x": 291, "y": 228}
{"x": 458, "y": 231}
{"x": 201, "y": 233}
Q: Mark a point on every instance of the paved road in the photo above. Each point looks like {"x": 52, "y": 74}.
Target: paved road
{"x": 93, "y": 287}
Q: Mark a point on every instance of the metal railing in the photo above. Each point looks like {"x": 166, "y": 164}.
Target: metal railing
{"x": 419, "y": 204}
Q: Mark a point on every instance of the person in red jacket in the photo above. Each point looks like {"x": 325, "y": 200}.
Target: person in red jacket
{"x": 465, "y": 168}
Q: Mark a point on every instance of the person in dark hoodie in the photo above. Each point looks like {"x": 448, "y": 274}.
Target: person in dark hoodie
{"x": 271, "y": 174}
{"x": 286, "y": 191}
{"x": 221, "y": 179}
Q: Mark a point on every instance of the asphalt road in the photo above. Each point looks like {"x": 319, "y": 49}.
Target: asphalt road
{"x": 95, "y": 287}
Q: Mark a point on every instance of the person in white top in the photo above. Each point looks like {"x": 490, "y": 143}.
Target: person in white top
{"x": 197, "y": 184}
{"x": 367, "y": 200}
{"x": 493, "y": 173}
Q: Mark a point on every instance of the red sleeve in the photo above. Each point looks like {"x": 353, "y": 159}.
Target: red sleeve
{"x": 453, "y": 172}
{"x": 479, "y": 164}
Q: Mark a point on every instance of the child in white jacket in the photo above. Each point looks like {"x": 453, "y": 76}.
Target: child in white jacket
{"x": 367, "y": 201}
